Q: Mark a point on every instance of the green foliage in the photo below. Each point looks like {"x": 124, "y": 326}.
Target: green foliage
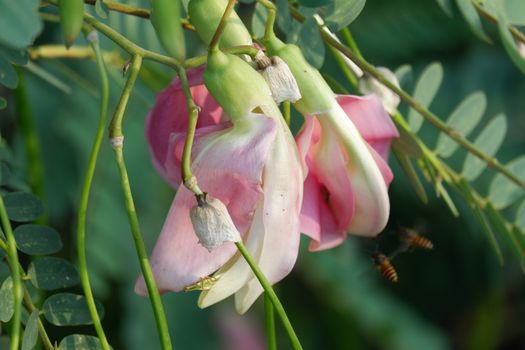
{"x": 23, "y": 206}
{"x": 410, "y": 172}
{"x": 315, "y": 3}
{"x": 340, "y": 13}
{"x": 311, "y": 43}
{"x": 19, "y": 23}
{"x": 463, "y": 120}
{"x": 426, "y": 88}
{"x": 3, "y": 104}
{"x": 515, "y": 10}
{"x": 504, "y": 192}
{"x": 79, "y": 341}
{"x": 34, "y": 239}
{"x": 8, "y": 76}
{"x": 488, "y": 141}
{"x": 6, "y": 300}
{"x": 49, "y": 273}
{"x": 259, "y": 20}
{"x": 520, "y": 216}
{"x": 470, "y": 14}
{"x": 101, "y": 9}
{"x": 31, "y": 331}
{"x": 67, "y": 309}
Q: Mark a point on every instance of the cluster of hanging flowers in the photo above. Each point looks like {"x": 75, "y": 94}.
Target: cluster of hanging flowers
{"x": 262, "y": 185}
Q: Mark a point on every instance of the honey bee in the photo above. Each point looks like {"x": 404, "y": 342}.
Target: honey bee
{"x": 385, "y": 267}
{"x": 413, "y": 240}
{"x": 204, "y": 283}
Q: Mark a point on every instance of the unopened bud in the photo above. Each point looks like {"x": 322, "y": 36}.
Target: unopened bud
{"x": 212, "y": 223}
{"x": 370, "y": 85}
{"x": 278, "y": 77}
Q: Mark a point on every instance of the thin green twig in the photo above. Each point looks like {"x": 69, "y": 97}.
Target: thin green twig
{"x": 428, "y": 115}
{"x": 12, "y": 255}
{"x": 279, "y": 309}
{"x": 269, "y": 321}
{"x": 86, "y": 188}
{"x": 116, "y": 138}
{"x": 516, "y": 33}
{"x": 214, "y": 43}
{"x": 193, "y": 115}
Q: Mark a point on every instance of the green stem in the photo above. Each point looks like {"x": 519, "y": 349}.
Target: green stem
{"x": 269, "y": 320}
{"x": 270, "y": 20}
{"x": 349, "y": 39}
{"x": 428, "y": 115}
{"x": 516, "y": 33}
{"x": 86, "y": 188}
{"x": 279, "y": 309}
{"x": 116, "y": 137}
{"x": 352, "y": 79}
{"x": 32, "y": 145}
{"x": 214, "y": 43}
{"x": 12, "y": 255}
{"x": 193, "y": 115}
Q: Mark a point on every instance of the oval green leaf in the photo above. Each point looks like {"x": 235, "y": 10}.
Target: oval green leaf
{"x": 31, "y": 331}
{"x": 23, "y": 206}
{"x": 463, "y": 120}
{"x": 426, "y": 88}
{"x": 488, "y": 141}
{"x": 311, "y": 43}
{"x": 50, "y": 273}
{"x": 67, "y": 309}
{"x": 19, "y": 22}
{"x": 79, "y": 341}
{"x": 504, "y": 192}
{"x": 341, "y": 13}
{"x": 34, "y": 239}
{"x": 404, "y": 75}
{"x": 470, "y": 14}
{"x": 7, "y": 301}
{"x": 18, "y": 57}
{"x": 8, "y": 76}
{"x": 3, "y": 103}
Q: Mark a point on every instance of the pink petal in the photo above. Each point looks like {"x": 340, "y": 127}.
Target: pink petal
{"x": 170, "y": 115}
{"x": 279, "y": 245}
{"x": 372, "y": 121}
{"x": 229, "y": 166}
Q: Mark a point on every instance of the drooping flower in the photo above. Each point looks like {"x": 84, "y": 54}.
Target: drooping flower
{"x": 346, "y": 190}
{"x": 247, "y": 159}
{"x": 336, "y": 198}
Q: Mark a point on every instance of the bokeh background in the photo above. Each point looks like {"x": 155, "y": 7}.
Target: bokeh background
{"x": 456, "y": 296}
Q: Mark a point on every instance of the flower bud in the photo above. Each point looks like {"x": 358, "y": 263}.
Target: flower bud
{"x": 370, "y": 85}
{"x": 278, "y": 77}
{"x": 165, "y": 16}
{"x": 205, "y": 15}
{"x": 71, "y": 17}
{"x": 212, "y": 223}
{"x": 235, "y": 85}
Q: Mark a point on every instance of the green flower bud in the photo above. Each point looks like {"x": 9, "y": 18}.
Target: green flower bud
{"x": 205, "y": 15}
{"x": 71, "y": 18}
{"x": 317, "y": 97}
{"x": 235, "y": 85}
{"x": 165, "y": 17}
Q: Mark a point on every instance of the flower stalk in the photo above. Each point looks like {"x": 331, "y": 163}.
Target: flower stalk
{"x": 86, "y": 188}
{"x": 116, "y": 139}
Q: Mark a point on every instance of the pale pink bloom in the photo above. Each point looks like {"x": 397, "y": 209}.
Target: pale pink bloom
{"x": 337, "y": 200}
{"x": 252, "y": 166}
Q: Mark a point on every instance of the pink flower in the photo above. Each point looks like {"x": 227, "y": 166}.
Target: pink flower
{"x": 250, "y": 165}
{"x": 338, "y": 194}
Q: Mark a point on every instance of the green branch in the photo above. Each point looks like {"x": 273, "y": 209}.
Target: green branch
{"x": 428, "y": 115}
{"x": 12, "y": 255}
{"x": 117, "y": 138}
{"x": 279, "y": 309}
{"x": 214, "y": 43}
{"x": 269, "y": 321}
{"x": 193, "y": 114}
{"x": 86, "y": 188}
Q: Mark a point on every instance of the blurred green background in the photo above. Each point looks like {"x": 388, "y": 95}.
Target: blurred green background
{"x": 453, "y": 297}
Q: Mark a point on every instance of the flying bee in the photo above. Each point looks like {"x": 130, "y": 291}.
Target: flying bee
{"x": 204, "y": 283}
{"x": 413, "y": 240}
{"x": 385, "y": 267}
